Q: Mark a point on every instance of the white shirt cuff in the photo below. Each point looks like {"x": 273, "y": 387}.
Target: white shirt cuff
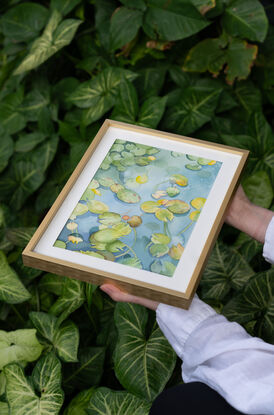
{"x": 268, "y": 251}
{"x": 177, "y": 324}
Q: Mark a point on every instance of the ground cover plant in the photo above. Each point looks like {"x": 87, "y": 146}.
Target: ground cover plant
{"x": 202, "y": 68}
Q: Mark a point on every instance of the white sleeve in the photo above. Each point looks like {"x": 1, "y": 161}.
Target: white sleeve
{"x": 222, "y": 354}
{"x": 268, "y": 251}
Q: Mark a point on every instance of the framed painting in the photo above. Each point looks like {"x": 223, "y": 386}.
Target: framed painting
{"x": 142, "y": 211}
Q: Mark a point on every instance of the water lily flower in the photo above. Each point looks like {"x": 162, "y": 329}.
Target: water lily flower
{"x": 158, "y": 194}
{"x": 175, "y": 252}
{"x": 142, "y": 179}
{"x": 75, "y": 238}
{"x": 152, "y": 158}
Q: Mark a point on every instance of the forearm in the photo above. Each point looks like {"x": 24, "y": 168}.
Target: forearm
{"x": 249, "y": 218}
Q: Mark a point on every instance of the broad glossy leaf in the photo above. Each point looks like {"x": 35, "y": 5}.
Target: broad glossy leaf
{"x": 151, "y": 112}
{"x": 142, "y": 363}
{"x": 18, "y": 346}
{"x": 27, "y": 142}
{"x": 24, "y": 21}
{"x": 88, "y": 371}
{"x": 19, "y": 182}
{"x": 204, "y": 5}
{"x": 72, "y": 297}
{"x": 12, "y": 291}
{"x": 135, "y": 4}
{"x": 108, "y": 402}
{"x": 195, "y": 107}
{"x": 79, "y": 403}
{"x": 256, "y": 302}
{"x": 248, "y": 96}
{"x": 55, "y": 36}
{"x": 124, "y": 25}
{"x": 6, "y": 150}
{"x": 64, "y": 6}
{"x": 174, "y": 21}
{"x": 240, "y": 58}
{"x": 226, "y": 270}
{"x": 260, "y": 129}
{"x": 247, "y": 246}
{"x": 150, "y": 81}
{"x": 43, "y": 155}
{"x": 52, "y": 283}
{"x": 246, "y": 20}
{"x": 35, "y": 103}
{"x": 64, "y": 338}
{"x": 11, "y": 118}
{"x": 126, "y": 106}
{"x": 42, "y": 395}
{"x": 258, "y": 189}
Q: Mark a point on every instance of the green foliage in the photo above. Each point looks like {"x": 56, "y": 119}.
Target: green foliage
{"x": 200, "y": 68}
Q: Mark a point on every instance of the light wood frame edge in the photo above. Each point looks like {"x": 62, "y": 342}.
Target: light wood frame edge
{"x": 146, "y": 290}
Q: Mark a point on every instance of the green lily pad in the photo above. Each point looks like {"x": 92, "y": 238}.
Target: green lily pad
{"x": 176, "y": 154}
{"x": 105, "y": 165}
{"x": 92, "y": 253}
{"x": 193, "y": 166}
{"x": 128, "y": 196}
{"x": 160, "y": 238}
{"x": 198, "y": 202}
{"x": 192, "y": 158}
{"x": 179, "y": 179}
{"x": 116, "y": 187}
{"x": 131, "y": 183}
{"x": 152, "y": 150}
{"x": 60, "y": 244}
{"x": 177, "y": 206}
{"x": 158, "y": 250}
{"x": 80, "y": 209}
{"x": 95, "y": 206}
{"x": 164, "y": 215}
{"x": 87, "y": 195}
{"x": 130, "y": 147}
{"x": 172, "y": 191}
{"x": 142, "y": 161}
{"x": 115, "y": 156}
{"x": 139, "y": 151}
{"x": 109, "y": 218}
{"x": 117, "y": 147}
{"x": 203, "y": 162}
{"x": 132, "y": 262}
{"x": 121, "y": 229}
{"x": 150, "y": 206}
{"x": 105, "y": 236}
{"x": 156, "y": 266}
{"x": 93, "y": 184}
{"x": 118, "y": 141}
{"x": 116, "y": 246}
{"x": 168, "y": 269}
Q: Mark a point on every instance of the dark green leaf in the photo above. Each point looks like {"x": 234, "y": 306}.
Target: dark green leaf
{"x": 248, "y": 96}
{"x": 151, "y": 112}
{"x": 143, "y": 364}
{"x": 127, "y": 103}
{"x": 124, "y": 26}
{"x": 11, "y": 119}
{"x": 27, "y": 142}
{"x": 79, "y": 403}
{"x": 64, "y": 6}
{"x": 33, "y": 103}
{"x": 24, "y": 21}
{"x": 258, "y": 189}
{"x": 172, "y": 21}
{"x": 43, "y": 155}
{"x": 6, "y": 150}
{"x": 240, "y": 58}
{"x": 20, "y": 236}
{"x": 226, "y": 269}
{"x": 135, "y": 4}
{"x": 246, "y": 20}
{"x": 150, "y": 81}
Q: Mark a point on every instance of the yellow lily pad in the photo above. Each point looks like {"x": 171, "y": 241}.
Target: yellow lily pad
{"x": 175, "y": 252}
{"x": 160, "y": 238}
{"x": 121, "y": 229}
{"x": 150, "y": 206}
{"x": 198, "y": 202}
{"x": 116, "y": 187}
{"x": 194, "y": 215}
{"x": 142, "y": 179}
{"x": 203, "y": 161}
{"x": 164, "y": 215}
{"x": 211, "y": 163}
{"x": 95, "y": 206}
{"x": 128, "y": 196}
{"x": 179, "y": 179}
{"x": 177, "y": 206}
{"x": 80, "y": 209}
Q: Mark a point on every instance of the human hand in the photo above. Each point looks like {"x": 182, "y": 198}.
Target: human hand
{"x": 118, "y": 295}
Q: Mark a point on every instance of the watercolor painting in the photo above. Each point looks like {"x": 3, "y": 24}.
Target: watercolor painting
{"x": 140, "y": 207}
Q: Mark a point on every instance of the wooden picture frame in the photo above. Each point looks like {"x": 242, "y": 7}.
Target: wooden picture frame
{"x": 117, "y": 218}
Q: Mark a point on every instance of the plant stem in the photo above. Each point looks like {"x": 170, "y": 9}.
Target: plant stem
{"x": 118, "y": 256}
{"x": 150, "y": 243}
{"x": 17, "y": 313}
{"x": 135, "y": 237}
{"x": 188, "y": 226}
{"x": 131, "y": 250}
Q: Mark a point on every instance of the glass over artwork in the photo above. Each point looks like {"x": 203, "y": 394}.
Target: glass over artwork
{"x": 141, "y": 207}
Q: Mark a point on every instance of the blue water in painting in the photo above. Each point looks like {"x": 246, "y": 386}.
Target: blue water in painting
{"x": 161, "y": 167}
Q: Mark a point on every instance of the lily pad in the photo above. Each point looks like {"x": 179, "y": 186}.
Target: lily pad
{"x": 116, "y": 246}
{"x": 106, "y": 181}
{"x": 192, "y": 158}
{"x": 60, "y": 244}
{"x": 80, "y": 209}
{"x": 121, "y": 229}
{"x": 156, "y": 266}
{"x": 93, "y": 253}
{"x": 176, "y": 154}
{"x": 150, "y": 206}
{"x": 179, "y": 179}
{"x": 139, "y": 151}
{"x": 193, "y": 166}
{"x": 168, "y": 269}
{"x": 108, "y": 255}
{"x": 95, "y": 206}
{"x": 128, "y": 196}
{"x": 93, "y": 184}
{"x": 109, "y": 218}
{"x": 172, "y": 191}
{"x": 175, "y": 252}
{"x": 203, "y": 162}
{"x": 117, "y": 147}
{"x": 132, "y": 262}
{"x": 130, "y": 147}
{"x": 132, "y": 183}
{"x": 177, "y": 206}
{"x": 105, "y": 236}
{"x": 164, "y": 215}
{"x": 160, "y": 238}
{"x": 194, "y": 215}
{"x": 152, "y": 150}
{"x": 142, "y": 161}
{"x": 115, "y": 156}
{"x": 198, "y": 202}
{"x": 159, "y": 250}
{"x": 116, "y": 187}
{"x": 87, "y": 195}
